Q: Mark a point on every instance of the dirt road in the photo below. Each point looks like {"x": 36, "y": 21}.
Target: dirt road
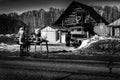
{"x": 45, "y": 69}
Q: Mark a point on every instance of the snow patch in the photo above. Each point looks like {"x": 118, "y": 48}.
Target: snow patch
{"x": 3, "y": 44}
{"x": 87, "y": 43}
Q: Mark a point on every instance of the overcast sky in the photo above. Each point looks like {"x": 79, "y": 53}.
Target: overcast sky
{"x": 19, "y": 6}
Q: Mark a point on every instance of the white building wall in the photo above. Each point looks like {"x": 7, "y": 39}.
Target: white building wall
{"x": 49, "y": 34}
{"x": 63, "y": 38}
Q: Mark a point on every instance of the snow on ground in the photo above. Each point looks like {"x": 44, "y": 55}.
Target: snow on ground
{"x": 88, "y": 42}
{"x": 96, "y": 44}
{"x": 7, "y": 43}
{"x": 7, "y": 47}
{"x": 16, "y": 47}
{"x": 100, "y": 44}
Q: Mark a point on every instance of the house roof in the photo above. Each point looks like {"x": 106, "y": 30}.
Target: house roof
{"x": 42, "y": 27}
{"x": 54, "y": 27}
{"x": 75, "y": 4}
{"x": 115, "y": 23}
{"x": 59, "y": 28}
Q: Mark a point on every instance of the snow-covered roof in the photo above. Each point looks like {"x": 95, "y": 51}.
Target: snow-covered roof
{"x": 115, "y": 23}
{"x": 48, "y": 28}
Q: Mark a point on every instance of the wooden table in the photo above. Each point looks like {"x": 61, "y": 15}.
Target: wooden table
{"x": 40, "y": 43}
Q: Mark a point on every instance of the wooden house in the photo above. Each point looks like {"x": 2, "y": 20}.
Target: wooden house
{"x": 80, "y": 19}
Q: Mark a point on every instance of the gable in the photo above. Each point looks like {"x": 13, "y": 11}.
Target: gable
{"x": 69, "y": 15}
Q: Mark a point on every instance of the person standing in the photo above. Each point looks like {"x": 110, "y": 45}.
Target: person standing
{"x": 37, "y": 34}
{"x": 68, "y": 38}
{"x": 21, "y": 39}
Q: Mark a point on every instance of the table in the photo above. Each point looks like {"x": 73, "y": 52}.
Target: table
{"x": 40, "y": 43}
